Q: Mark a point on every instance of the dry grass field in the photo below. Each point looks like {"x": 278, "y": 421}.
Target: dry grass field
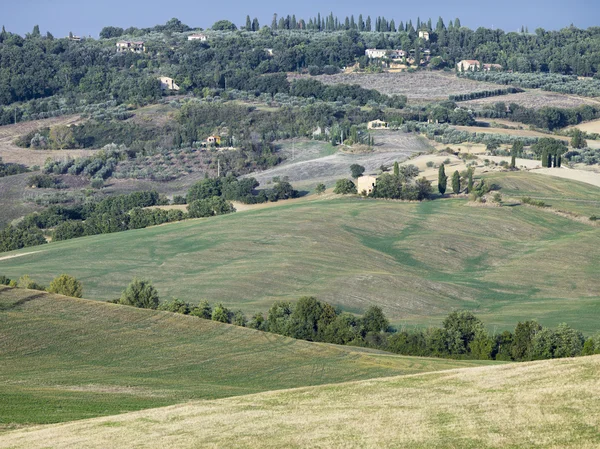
{"x": 418, "y": 261}
{"x": 418, "y": 87}
{"x": 549, "y": 404}
{"x": 63, "y": 359}
{"x": 533, "y": 98}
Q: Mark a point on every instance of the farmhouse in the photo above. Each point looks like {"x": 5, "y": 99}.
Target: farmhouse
{"x": 467, "y": 65}
{"x": 366, "y": 184}
{"x": 213, "y": 140}
{"x": 377, "y": 124}
{"x": 374, "y": 53}
{"x": 134, "y": 47}
{"x": 424, "y": 35}
{"x": 167, "y": 83}
{"x": 198, "y": 37}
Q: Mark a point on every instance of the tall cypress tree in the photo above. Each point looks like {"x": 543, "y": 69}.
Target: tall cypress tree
{"x": 248, "y": 24}
{"x": 470, "y": 180}
{"x": 396, "y": 169}
{"x": 456, "y": 182}
{"x": 544, "y": 158}
{"x": 368, "y": 24}
{"x": 442, "y": 179}
{"x": 361, "y": 23}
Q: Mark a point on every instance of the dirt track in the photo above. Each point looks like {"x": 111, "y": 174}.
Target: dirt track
{"x": 9, "y": 152}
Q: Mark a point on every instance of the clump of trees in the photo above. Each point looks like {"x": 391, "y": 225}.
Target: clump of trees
{"x": 550, "y": 151}
{"x": 66, "y": 285}
{"x": 344, "y": 187}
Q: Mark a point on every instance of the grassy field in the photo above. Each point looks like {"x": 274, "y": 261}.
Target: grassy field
{"x": 550, "y": 404}
{"x": 561, "y": 194}
{"x": 63, "y": 359}
{"x": 418, "y": 261}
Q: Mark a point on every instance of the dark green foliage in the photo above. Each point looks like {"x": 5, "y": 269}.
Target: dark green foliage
{"x": 7, "y": 169}
{"x": 178, "y": 199}
{"x": 388, "y": 186}
{"x": 532, "y": 202}
{"x": 577, "y": 139}
{"x": 320, "y": 188}
{"x": 176, "y": 306}
{"x": 549, "y": 150}
{"x": 222, "y": 314}
{"x": 374, "y": 320}
{"x": 344, "y": 187}
{"x": 463, "y": 329}
{"x": 140, "y": 293}
{"x": 210, "y": 207}
{"x": 66, "y": 285}
{"x": 356, "y": 170}
{"x": 469, "y": 180}
{"x": 556, "y": 343}
{"x": 12, "y": 238}
{"x": 523, "y": 337}
{"x": 396, "y": 169}
{"x": 43, "y": 182}
{"x": 202, "y": 310}
{"x": 442, "y": 179}
{"x": 224, "y": 25}
{"x": 4, "y": 280}
{"x": 456, "y": 182}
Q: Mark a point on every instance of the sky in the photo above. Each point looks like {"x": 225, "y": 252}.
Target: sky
{"x": 88, "y": 17}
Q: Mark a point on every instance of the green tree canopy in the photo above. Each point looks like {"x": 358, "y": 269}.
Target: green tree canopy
{"x": 140, "y": 293}
{"x": 66, "y": 285}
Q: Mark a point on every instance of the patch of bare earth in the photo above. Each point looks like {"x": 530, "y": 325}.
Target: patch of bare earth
{"x": 533, "y": 98}
{"x": 417, "y": 86}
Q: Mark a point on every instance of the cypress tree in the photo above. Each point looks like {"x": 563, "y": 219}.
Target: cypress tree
{"x": 248, "y": 24}
{"x": 558, "y": 160}
{"x": 442, "y": 179}
{"x": 456, "y": 182}
{"x": 469, "y": 181}
{"x": 544, "y": 158}
{"x": 396, "y": 169}
{"x": 368, "y": 24}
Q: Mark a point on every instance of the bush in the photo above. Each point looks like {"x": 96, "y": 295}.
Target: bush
{"x": 532, "y": 202}
{"x": 140, "y": 294}
{"x": 66, "y": 285}
{"x": 320, "y": 188}
{"x": 344, "y": 187}
{"x": 97, "y": 183}
{"x": 26, "y": 282}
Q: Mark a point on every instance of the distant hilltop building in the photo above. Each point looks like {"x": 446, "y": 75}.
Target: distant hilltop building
{"x": 167, "y": 83}
{"x": 134, "y": 47}
{"x": 373, "y": 53}
{"x": 198, "y": 37}
{"x": 424, "y": 35}
{"x": 472, "y": 65}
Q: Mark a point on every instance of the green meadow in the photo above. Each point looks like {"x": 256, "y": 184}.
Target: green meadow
{"x": 418, "y": 261}
{"x": 63, "y": 359}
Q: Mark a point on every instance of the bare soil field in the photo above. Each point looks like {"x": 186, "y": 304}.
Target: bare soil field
{"x": 534, "y": 98}
{"x": 310, "y": 167}
{"x": 418, "y": 87}
{"x": 513, "y": 132}
{"x": 9, "y": 152}
{"x": 589, "y": 127}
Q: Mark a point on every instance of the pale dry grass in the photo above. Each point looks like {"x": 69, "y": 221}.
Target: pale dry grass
{"x": 550, "y": 404}
{"x": 589, "y": 127}
{"x": 533, "y": 98}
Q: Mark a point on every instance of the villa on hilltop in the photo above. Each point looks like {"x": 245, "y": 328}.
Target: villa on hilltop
{"x": 134, "y": 47}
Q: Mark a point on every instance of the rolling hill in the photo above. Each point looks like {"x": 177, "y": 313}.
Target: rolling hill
{"x": 550, "y": 404}
{"x": 418, "y": 261}
{"x": 63, "y": 359}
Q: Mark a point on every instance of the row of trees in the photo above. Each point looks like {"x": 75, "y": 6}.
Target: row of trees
{"x": 62, "y": 285}
{"x": 462, "y": 334}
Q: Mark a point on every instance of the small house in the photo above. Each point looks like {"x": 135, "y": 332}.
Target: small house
{"x": 468, "y": 65}
{"x": 377, "y": 124}
{"x": 167, "y": 83}
{"x": 366, "y": 184}
{"x": 213, "y": 140}
{"x": 198, "y": 37}
{"x": 494, "y": 67}
{"x": 373, "y": 53}
{"x": 423, "y": 34}
{"x": 134, "y": 47}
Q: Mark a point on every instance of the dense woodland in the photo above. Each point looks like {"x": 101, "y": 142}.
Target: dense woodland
{"x": 91, "y": 71}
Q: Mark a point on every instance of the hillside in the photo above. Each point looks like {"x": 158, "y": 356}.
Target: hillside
{"x": 416, "y": 260}
{"x": 549, "y": 404}
{"x": 63, "y": 359}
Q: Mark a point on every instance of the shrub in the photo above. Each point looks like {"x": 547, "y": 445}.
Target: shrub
{"x": 26, "y": 282}
{"x": 66, "y": 285}
{"x": 140, "y": 294}
{"x": 202, "y": 310}
{"x": 222, "y": 314}
{"x": 344, "y": 187}
{"x": 97, "y": 183}
{"x": 320, "y": 188}
{"x": 532, "y": 202}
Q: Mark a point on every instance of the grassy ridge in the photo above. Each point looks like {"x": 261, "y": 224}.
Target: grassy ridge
{"x": 63, "y": 359}
{"x": 418, "y": 261}
{"x": 549, "y": 404}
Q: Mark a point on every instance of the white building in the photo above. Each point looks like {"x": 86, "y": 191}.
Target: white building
{"x": 198, "y": 37}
